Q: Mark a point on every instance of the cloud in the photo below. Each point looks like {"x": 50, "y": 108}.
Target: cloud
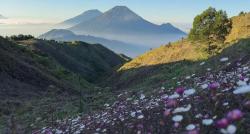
{"x": 14, "y": 21}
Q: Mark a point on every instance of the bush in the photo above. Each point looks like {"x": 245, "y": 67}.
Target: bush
{"x": 21, "y": 37}
{"x": 211, "y": 25}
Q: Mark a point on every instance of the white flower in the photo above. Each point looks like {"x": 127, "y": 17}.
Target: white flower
{"x": 133, "y": 114}
{"x": 207, "y": 122}
{"x": 202, "y": 63}
{"x": 190, "y": 127}
{"x": 231, "y": 129}
{"x": 182, "y": 109}
{"x": 165, "y": 96}
{"x": 224, "y": 59}
{"x": 177, "y": 118}
{"x": 242, "y": 90}
{"x": 189, "y": 92}
{"x": 204, "y": 86}
{"x": 140, "y": 117}
{"x": 225, "y": 103}
{"x": 174, "y": 96}
{"x": 208, "y": 69}
{"x": 245, "y": 68}
{"x": 59, "y": 131}
{"x": 198, "y": 116}
{"x": 142, "y": 96}
{"x": 188, "y": 77}
{"x": 241, "y": 83}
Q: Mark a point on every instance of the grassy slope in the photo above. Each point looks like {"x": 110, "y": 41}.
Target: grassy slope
{"x": 241, "y": 27}
{"x": 38, "y": 86}
{"x": 179, "y": 59}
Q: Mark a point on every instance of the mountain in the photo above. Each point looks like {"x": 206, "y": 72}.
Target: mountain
{"x": 85, "y": 16}
{"x": 40, "y": 78}
{"x": 120, "y": 23}
{"x": 2, "y": 17}
{"x": 117, "y": 46}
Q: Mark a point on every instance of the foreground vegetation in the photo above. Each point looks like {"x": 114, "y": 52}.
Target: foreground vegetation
{"x": 43, "y": 81}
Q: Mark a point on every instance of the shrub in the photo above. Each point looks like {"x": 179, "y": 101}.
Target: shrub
{"x": 210, "y": 25}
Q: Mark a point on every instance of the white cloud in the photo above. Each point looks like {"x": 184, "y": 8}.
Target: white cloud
{"x": 15, "y": 21}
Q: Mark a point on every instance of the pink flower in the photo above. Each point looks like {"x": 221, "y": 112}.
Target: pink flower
{"x": 235, "y": 115}
{"x": 167, "y": 112}
{"x": 222, "y": 123}
{"x": 180, "y": 90}
{"x": 171, "y": 103}
{"x": 176, "y": 124}
{"x": 214, "y": 85}
{"x": 193, "y": 132}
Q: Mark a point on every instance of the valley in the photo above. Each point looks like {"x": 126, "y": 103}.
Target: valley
{"x": 112, "y": 71}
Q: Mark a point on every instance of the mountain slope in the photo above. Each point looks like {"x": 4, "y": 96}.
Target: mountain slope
{"x": 2, "y": 17}
{"x": 240, "y": 27}
{"x": 120, "y": 23}
{"x": 117, "y": 46}
{"x": 193, "y": 99}
{"x": 41, "y": 80}
{"x": 87, "y": 60}
{"x": 85, "y": 16}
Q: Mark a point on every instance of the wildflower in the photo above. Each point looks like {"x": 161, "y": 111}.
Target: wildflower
{"x": 204, "y": 86}
{"x": 189, "y": 92}
{"x": 235, "y": 115}
{"x": 167, "y": 112}
{"x": 142, "y": 96}
{"x": 242, "y": 90}
{"x": 193, "y": 132}
{"x": 180, "y": 90}
{"x": 247, "y": 104}
{"x": 171, "y": 103}
{"x": 222, "y": 123}
{"x": 174, "y": 96}
{"x": 133, "y": 114}
{"x": 140, "y": 117}
{"x": 231, "y": 129}
{"x": 190, "y": 127}
{"x": 182, "y": 109}
{"x": 224, "y": 59}
{"x": 176, "y": 124}
{"x": 214, "y": 85}
{"x": 177, "y": 118}
{"x": 207, "y": 122}
{"x": 202, "y": 63}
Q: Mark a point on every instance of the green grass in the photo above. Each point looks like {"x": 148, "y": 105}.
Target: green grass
{"x": 151, "y": 76}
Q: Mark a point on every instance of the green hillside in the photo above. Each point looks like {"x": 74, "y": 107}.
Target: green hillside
{"x": 41, "y": 81}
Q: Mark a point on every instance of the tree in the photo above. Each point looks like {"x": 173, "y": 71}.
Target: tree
{"x": 211, "y": 25}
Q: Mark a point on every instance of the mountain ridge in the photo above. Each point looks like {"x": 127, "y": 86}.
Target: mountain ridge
{"x": 85, "y": 16}
{"x": 131, "y": 50}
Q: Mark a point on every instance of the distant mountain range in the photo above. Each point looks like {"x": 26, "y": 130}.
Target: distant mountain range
{"x": 119, "y": 47}
{"x": 120, "y": 23}
{"x": 118, "y": 29}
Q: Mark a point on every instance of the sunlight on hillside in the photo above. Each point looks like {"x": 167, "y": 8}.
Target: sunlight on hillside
{"x": 240, "y": 27}
{"x": 181, "y": 50}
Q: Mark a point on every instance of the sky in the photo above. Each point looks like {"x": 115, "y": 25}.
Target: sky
{"x": 178, "y": 12}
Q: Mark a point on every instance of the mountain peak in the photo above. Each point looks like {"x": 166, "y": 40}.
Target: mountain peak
{"x": 122, "y": 13}
{"x": 93, "y": 11}
{"x": 85, "y": 16}
{"x": 120, "y": 8}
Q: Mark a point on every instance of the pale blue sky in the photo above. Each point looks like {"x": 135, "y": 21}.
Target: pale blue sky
{"x": 157, "y": 11}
